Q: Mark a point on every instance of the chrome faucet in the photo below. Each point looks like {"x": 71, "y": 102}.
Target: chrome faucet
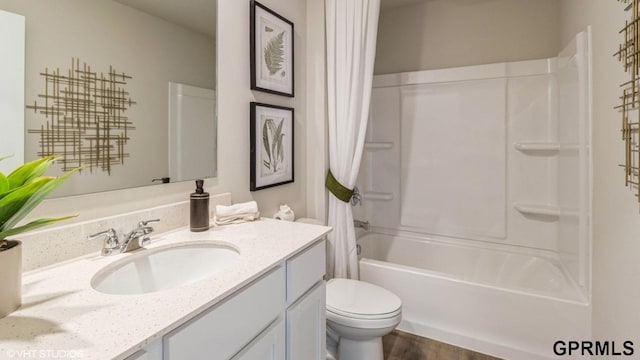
{"x": 361, "y": 224}
{"x": 137, "y": 237}
{"x": 133, "y": 240}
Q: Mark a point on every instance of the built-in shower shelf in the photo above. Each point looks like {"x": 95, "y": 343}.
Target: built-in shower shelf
{"x": 527, "y": 146}
{"x": 551, "y": 147}
{"x": 546, "y": 210}
{"x": 381, "y": 196}
{"x": 373, "y": 146}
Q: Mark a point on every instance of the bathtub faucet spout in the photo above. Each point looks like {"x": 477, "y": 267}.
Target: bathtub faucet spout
{"x": 361, "y": 224}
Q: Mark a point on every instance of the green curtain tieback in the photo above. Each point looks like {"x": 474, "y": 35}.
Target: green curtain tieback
{"x": 338, "y": 190}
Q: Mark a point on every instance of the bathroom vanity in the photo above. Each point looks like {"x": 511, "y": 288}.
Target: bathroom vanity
{"x": 269, "y": 303}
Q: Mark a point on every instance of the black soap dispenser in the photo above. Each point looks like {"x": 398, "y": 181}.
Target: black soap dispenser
{"x": 199, "y": 208}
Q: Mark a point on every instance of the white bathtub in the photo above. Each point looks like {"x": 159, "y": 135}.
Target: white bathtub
{"x": 507, "y": 304}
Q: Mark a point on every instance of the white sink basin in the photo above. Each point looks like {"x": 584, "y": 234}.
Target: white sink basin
{"x": 164, "y": 268}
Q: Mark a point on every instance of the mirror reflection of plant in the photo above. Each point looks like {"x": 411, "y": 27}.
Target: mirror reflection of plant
{"x": 21, "y": 191}
{"x": 272, "y": 137}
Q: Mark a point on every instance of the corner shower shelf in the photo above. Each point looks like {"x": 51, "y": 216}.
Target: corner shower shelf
{"x": 544, "y": 147}
{"x": 377, "y": 196}
{"x": 372, "y": 146}
{"x": 526, "y": 146}
{"x": 546, "y": 210}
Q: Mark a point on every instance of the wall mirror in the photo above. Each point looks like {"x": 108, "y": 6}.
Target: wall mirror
{"x": 125, "y": 88}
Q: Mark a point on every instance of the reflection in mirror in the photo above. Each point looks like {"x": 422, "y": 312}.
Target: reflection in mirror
{"x": 122, "y": 137}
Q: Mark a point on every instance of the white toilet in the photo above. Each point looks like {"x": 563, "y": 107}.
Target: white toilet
{"x": 359, "y": 314}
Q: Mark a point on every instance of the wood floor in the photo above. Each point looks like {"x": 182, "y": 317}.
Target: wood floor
{"x": 404, "y": 346}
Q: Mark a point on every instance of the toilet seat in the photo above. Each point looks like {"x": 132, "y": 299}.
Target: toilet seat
{"x": 362, "y": 305}
{"x": 364, "y": 316}
{"x": 360, "y": 323}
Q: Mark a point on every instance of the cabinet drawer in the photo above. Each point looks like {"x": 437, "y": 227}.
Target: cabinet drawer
{"x": 151, "y": 352}
{"x": 221, "y": 332}
{"x": 304, "y": 270}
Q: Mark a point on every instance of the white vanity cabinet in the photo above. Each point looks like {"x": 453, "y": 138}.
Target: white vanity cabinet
{"x": 280, "y": 316}
{"x": 221, "y": 332}
{"x": 306, "y": 298}
{"x": 306, "y": 326}
{"x": 270, "y": 345}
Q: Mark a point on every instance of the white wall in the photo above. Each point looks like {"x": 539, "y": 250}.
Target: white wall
{"x": 233, "y": 128}
{"x": 234, "y": 97}
{"x": 317, "y": 124}
{"x": 444, "y": 33}
{"x": 12, "y": 34}
{"x": 616, "y": 221}
{"x": 104, "y": 33}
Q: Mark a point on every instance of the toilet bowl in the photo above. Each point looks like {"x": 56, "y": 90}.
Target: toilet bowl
{"x": 360, "y": 314}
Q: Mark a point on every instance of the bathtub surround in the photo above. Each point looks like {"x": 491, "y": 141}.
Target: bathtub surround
{"x": 351, "y": 28}
{"x": 491, "y": 162}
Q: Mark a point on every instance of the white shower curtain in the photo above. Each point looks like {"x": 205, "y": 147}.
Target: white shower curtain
{"x": 351, "y": 29}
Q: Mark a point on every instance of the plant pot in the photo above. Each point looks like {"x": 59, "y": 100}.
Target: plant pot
{"x": 10, "y": 277}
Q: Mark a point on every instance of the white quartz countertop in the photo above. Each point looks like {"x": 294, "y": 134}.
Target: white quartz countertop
{"x": 62, "y": 316}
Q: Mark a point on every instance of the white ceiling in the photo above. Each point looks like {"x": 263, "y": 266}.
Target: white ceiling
{"x": 197, "y": 15}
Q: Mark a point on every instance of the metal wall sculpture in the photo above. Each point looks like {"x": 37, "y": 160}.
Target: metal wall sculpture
{"x": 629, "y": 54}
{"x": 84, "y": 117}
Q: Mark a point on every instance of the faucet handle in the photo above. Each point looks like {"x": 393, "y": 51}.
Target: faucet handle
{"x": 111, "y": 244}
{"x": 147, "y": 222}
{"x": 144, "y": 241}
{"x": 109, "y": 233}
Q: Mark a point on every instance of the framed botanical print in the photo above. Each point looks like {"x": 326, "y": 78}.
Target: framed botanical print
{"x": 271, "y": 146}
{"x": 271, "y": 51}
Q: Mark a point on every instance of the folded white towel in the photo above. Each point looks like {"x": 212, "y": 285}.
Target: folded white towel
{"x": 250, "y": 207}
{"x": 237, "y": 213}
{"x": 236, "y": 219}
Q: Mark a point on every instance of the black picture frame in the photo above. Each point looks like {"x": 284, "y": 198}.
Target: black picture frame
{"x": 271, "y": 165}
{"x": 275, "y": 77}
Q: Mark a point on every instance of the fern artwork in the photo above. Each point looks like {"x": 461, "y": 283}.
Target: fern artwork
{"x": 271, "y": 145}
{"x": 271, "y": 51}
{"x": 274, "y": 54}
{"x": 272, "y": 136}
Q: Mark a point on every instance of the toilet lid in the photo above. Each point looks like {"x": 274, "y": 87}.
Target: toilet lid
{"x": 345, "y": 296}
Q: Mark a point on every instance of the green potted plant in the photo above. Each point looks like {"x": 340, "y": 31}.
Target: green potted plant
{"x": 20, "y": 192}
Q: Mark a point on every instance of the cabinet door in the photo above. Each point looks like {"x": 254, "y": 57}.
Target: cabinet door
{"x": 220, "y": 332}
{"x": 306, "y": 326}
{"x": 268, "y": 346}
